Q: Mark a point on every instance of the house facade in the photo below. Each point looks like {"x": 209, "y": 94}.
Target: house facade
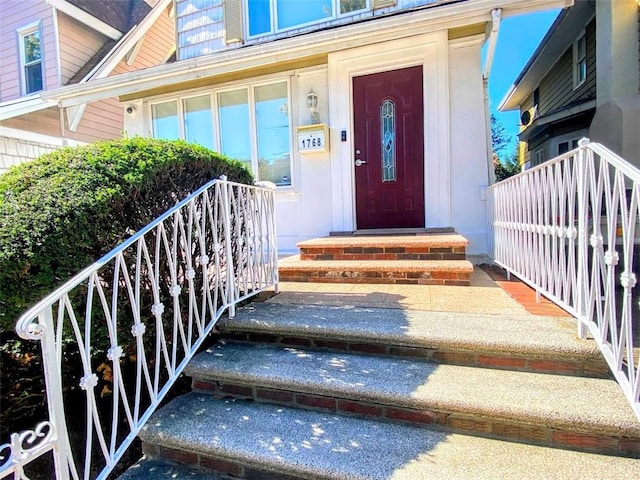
{"x": 47, "y": 44}
{"x": 582, "y": 81}
{"x": 367, "y": 115}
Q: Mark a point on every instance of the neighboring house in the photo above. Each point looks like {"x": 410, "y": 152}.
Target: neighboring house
{"x": 582, "y": 81}
{"x": 368, "y": 115}
{"x": 47, "y": 44}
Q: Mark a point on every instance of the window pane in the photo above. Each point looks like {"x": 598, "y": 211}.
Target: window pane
{"x": 33, "y": 74}
{"x": 388, "y": 136}
{"x": 31, "y": 45}
{"x": 294, "y": 12}
{"x": 233, "y": 113}
{"x": 259, "y": 17}
{"x": 347, "y": 6}
{"x": 165, "y": 120}
{"x": 272, "y": 125}
{"x": 198, "y": 124}
{"x": 582, "y": 47}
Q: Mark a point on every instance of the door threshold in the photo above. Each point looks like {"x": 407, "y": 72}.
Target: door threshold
{"x": 393, "y": 231}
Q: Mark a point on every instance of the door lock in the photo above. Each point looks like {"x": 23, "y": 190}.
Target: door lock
{"x": 359, "y": 162}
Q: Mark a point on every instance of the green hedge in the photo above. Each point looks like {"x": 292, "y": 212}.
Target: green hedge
{"x": 64, "y": 210}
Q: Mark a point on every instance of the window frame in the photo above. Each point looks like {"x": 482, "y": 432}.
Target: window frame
{"x": 577, "y": 60}
{"x": 215, "y": 117}
{"x": 23, "y": 32}
{"x": 273, "y": 16}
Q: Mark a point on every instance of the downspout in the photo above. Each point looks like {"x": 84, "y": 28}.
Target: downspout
{"x": 496, "y": 16}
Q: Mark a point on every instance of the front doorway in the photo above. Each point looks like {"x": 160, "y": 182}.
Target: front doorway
{"x": 389, "y": 149}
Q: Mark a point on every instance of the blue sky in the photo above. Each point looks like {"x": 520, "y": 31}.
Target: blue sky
{"x": 517, "y": 40}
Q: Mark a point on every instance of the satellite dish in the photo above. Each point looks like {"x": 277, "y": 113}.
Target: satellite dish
{"x": 525, "y": 118}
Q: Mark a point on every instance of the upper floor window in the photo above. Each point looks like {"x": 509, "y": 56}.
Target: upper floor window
{"x": 580, "y": 60}
{"x": 31, "y": 58}
{"x": 270, "y": 16}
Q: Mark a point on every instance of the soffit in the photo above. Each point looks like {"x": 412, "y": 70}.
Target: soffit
{"x": 560, "y": 36}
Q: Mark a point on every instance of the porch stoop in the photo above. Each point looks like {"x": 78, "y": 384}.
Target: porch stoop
{"x": 307, "y": 391}
{"x": 425, "y": 259}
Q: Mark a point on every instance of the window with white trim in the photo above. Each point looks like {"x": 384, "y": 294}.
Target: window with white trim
{"x": 29, "y": 39}
{"x": 538, "y": 157}
{"x": 564, "y": 147}
{"x": 580, "y": 60}
{"x": 270, "y": 16}
{"x": 253, "y": 126}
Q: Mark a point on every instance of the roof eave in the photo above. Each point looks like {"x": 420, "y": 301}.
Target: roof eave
{"x": 321, "y": 42}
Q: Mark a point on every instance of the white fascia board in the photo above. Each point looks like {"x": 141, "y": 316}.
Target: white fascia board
{"x": 322, "y": 42}
{"x": 22, "y": 106}
{"x": 86, "y": 18}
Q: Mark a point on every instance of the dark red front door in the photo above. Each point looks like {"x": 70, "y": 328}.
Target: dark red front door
{"x": 389, "y": 149}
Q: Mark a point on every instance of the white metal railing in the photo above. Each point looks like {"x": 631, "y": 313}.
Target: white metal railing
{"x": 570, "y": 228}
{"x": 146, "y": 306}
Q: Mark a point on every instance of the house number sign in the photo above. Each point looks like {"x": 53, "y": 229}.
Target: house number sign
{"x": 313, "y": 138}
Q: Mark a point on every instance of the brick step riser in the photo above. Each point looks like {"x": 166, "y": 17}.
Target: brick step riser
{"x": 383, "y": 253}
{"x": 593, "y": 368}
{"x": 220, "y": 465}
{"x": 441, "y": 420}
{"x": 375, "y": 276}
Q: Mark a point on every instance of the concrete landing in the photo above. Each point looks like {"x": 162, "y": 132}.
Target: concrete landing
{"x": 295, "y": 443}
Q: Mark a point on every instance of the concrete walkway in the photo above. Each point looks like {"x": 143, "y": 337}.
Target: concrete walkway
{"x": 490, "y": 293}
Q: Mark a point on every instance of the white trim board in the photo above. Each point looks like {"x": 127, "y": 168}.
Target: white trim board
{"x": 430, "y": 51}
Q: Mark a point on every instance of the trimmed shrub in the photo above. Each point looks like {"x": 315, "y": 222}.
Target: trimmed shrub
{"x": 61, "y": 212}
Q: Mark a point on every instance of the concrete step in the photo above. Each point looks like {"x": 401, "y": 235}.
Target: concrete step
{"x": 438, "y": 246}
{"x": 161, "y": 469}
{"x": 515, "y": 342}
{"x": 415, "y": 272}
{"x": 260, "y": 441}
{"x": 543, "y": 409}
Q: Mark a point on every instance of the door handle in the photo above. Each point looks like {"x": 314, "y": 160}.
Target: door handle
{"x": 359, "y": 162}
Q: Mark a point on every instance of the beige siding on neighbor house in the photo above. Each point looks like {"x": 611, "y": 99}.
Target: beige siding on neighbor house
{"x": 102, "y": 120}
{"x": 78, "y": 44}
{"x": 45, "y": 122}
{"x": 556, "y": 88}
{"x": 157, "y": 44}
{"x": 14, "y": 15}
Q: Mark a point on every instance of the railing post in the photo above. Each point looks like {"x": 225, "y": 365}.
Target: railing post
{"x": 53, "y": 385}
{"x": 226, "y": 208}
{"x": 583, "y": 270}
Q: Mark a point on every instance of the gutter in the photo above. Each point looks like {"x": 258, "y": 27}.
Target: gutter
{"x": 496, "y": 17}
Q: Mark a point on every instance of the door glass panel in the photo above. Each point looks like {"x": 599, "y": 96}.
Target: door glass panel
{"x": 165, "y": 120}
{"x": 272, "y": 132}
{"x": 198, "y": 124}
{"x": 388, "y": 136}
{"x": 292, "y": 13}
{"x": 235, "y": 137}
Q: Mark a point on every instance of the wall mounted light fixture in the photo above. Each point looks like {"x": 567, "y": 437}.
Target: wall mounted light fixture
{"x": 312, "y": 105}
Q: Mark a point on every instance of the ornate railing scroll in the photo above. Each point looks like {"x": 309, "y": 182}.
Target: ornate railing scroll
{"x": 132, "y": 321}
{"x": 570, "y": 228}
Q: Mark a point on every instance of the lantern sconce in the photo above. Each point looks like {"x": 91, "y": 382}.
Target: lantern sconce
{"x": 312, "y": 105}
